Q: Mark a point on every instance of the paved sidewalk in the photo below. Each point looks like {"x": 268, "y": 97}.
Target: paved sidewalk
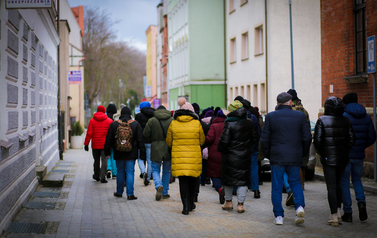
{"x": 86, "y": 208}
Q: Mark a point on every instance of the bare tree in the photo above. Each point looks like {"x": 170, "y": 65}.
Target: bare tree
{"x": 111, "y": 68}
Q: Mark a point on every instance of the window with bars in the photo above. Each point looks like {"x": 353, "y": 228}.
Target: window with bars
{"x": 360, "y": 36}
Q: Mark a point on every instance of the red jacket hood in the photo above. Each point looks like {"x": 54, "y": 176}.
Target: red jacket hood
{"x": 99, "y": 116}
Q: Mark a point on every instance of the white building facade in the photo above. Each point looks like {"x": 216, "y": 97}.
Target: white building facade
{"x": 28, "y": 103}
{"x": 259, "y": 52}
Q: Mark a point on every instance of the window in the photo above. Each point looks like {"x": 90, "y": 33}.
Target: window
{"x": 231, "y": 93}
{"x": 242, "y": 93}
{"x": 248, "y": 92}
{"x": 360, "y": 36}
{"x": 262, "y": 108}
{"x": 236, "y": 91}
{"x": 255, "y": 95}
{"x": 233, "y": 50}
{"x": 245, "y": 45}
{"x": 258, "y": 33}
{"x": 243, "y": 2}
{"x": 231, "y": 6}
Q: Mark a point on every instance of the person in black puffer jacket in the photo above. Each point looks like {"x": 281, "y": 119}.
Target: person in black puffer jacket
{"x": 333, "y": 138}
{"x": 146, "y": 112}
{"x": 235, "y": 146}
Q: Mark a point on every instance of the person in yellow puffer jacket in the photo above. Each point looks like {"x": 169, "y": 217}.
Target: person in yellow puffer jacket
{"x": 186, "y": 136}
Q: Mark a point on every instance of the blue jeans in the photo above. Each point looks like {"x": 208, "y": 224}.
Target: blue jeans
{"x": 254, "y": 177}
{"x": 354, "y": 169}
{"x": 148, "y": 160}
{"x": 111, "y": 164}
{"x": 125, "y": 167}
{"x": 286, "y": 184}
{"x": 217, "y": 183}
{"x": 277, "y": 180}
{"x": 156, "y": 166}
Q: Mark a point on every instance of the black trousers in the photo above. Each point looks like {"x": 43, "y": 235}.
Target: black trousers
{"x": 187, "y": 185}
{"x": 333, "y": 176}
{"x": 99, "y": 168}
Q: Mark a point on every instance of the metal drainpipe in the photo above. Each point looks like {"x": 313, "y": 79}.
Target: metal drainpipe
{"x": 265, "y": 32}
{"x": 225, "y": 85}
{"x": 59, "y": 111}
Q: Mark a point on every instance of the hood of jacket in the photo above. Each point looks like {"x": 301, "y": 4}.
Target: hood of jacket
{"x": 184, "y": 115}
{"x": 242, "y": 112}
{"x": 99, "y": 116}
{"x": 218, "y": 120}
{"x": 355, "y": 110}
{"x": 111, "y": 110}
{"x": 148, "y": 111}
{"x": 162, "y": 114}
{"x": 334, "y": 106}
{"x": 125, "y": 117}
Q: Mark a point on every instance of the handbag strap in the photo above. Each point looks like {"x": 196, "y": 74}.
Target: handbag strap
{"x": 162, "y": 128}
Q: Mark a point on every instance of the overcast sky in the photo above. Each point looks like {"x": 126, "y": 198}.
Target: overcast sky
{"x": 132, "y": 16}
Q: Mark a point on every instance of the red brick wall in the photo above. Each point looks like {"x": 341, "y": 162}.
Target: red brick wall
{"x": 338, "y": 51}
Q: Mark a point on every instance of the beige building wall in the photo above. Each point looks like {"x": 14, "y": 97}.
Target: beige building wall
{"x": 64, "y": 87}
{"x": 246, "y": 59}
{"x": 77, "y": 102}
{"x": 151, "y": 34}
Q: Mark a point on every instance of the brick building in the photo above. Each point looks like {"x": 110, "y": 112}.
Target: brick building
{"x": 345, "y": 27}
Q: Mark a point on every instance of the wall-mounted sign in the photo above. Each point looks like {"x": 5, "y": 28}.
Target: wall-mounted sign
{"x": 17, "y": 4}
{"x": 371, "y": 44}
{"x": 74, "y": 77}
{"x": 148, "y": 91}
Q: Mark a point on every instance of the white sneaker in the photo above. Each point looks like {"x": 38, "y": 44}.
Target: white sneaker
{"x": 300, "y": 213}
{"x": 279, "y": 220}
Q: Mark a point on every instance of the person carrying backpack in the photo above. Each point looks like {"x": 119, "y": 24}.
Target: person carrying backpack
{"x": 126, "y": 137}
{"x": 156, "y": 130}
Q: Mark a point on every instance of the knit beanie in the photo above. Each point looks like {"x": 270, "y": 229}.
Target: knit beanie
{"x": 101, "y": 108}
{"x": 188, "y": 106}
{"x": 220, "y": 113}
{"x": 350, "y": 98}
{"x": 125, "y": 111}
{"x": 293, "y": 93}
{"x": 209, "y": 113}
{"x": 234, "y": 106}
{"x": 144, "y": 104}
{"x": 196, "y": 108}
{"x": 181, "y": 101}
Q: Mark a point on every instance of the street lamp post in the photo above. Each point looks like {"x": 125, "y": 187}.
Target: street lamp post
{"x": 292, "y": 66}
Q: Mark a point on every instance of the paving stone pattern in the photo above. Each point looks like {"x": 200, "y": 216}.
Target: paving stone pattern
{"x": 91, "y": 210}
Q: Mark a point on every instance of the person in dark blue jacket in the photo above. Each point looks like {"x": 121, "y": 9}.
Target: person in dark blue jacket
{"x": 365, "y": 134}
{"x": 285, "y": 140}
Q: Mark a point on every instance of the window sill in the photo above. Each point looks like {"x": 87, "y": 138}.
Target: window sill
{"x": 232, "y": 11}
{"x": 258, "y": 54}
{"x": 244, "y": 59}
{"x": 233, "y": 62}
{"x": 362, "y": 78}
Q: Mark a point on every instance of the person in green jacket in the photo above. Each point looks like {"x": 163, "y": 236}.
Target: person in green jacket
{"x": 156, "y": 130}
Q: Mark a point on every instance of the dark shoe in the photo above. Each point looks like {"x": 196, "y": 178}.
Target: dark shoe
{"x": 141, "y": 175}
{"x": 362, "y": 211}
{"x": 203, "y": 184}
{"x": 96, "y": 178}
{"x": 108, "y": 174}
{"x": 196, "y": 198}
{"x": 117, "y": 195}
{"x": 222, "y": 196}
{"x": 145, "y": 178}
{"x": 347, "y": 217}
{"x": 103, "y": 181}
{"x": 132, "y": 197}
{"x": 172, "y": 180}
{"x": 208, "y": 180}
{"x": 289, "y": 201}
{"x": 165, "y": 196}
{"x": 256, "y": 194}
{"x": 260, "y": 182}
{"x": 186, "y": 207}
{"x": 160, "y": 189}
{"x": 114, "y": 176}
{"x": 151, "y": 177}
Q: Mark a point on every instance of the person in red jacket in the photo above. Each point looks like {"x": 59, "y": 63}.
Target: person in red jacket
{"x": 97, "y": 131}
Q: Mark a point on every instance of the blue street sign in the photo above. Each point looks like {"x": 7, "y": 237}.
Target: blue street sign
{"x": 371, "y": 44}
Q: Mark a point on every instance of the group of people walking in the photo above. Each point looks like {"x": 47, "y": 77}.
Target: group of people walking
{"x": 225, "y": 146}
